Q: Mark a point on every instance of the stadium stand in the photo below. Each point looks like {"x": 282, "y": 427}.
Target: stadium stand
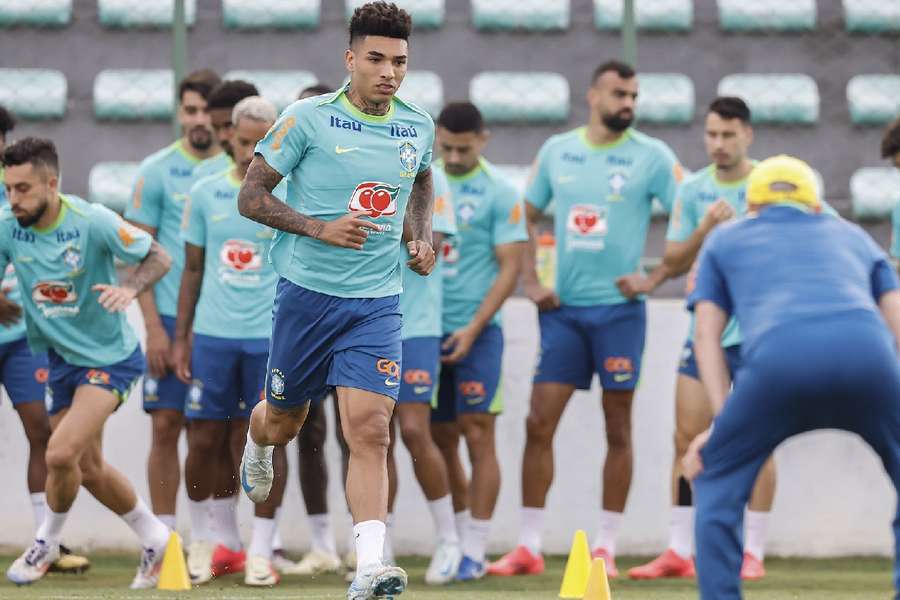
{"x": 874, "y": 192}
{"x": 129, "y": 14}
{"x": 871, "y": 16}
{"x": 532, "y": 15}
{"x": 873, "y": 99}
{"x": 773, "y": 15}
{"x": 280, "y": 87}
{"x": 665, "y": 98}
{"x": 34, "y": 93}
{"x": 660, "y": 15}
{"x": 516, "y": 174}
{"x": 509, "y": 97}
{"x": 35, "y": 13}
{"x": 131, "y": 94}
{"x": 424, "y": 89}
{"x": 427, "y": 14}
{"x": 110, "y": 184}
{"x": 279, "y": 14}
{"x": 789, "y": 99}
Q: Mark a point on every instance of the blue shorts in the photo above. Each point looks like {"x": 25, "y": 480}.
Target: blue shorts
{"x": 321, "y": 341}
{"x": 119, "y": 378}
{"x": 688, "y": 364}
{"x": 473, "y": 384}
{"x": 168, "y": 392}
{"x": 229, "y": 377}
{"x": 421, "y": 365}
{"x": 578, "y": 341}
{"x": 23, "y": 374}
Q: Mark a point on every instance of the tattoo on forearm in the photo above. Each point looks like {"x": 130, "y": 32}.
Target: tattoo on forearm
{"x": 151, "y": 269}
{"x": 421, "y": 206}
{"x": 256, "y": 202}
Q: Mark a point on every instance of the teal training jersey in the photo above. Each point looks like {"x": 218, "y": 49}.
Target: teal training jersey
{"x": 10, "y": 288}
{"x": 164, "y": 180}
{"x": 421, "y": 302}
{"x": 489, "y": 212}
{"x": 338, "y": 160}
{"x": 238, "y": 288}
{"x": 602, "y": 196}
{"x": 58, "y": 266}
{"x": 212, "y": 165}
{"x": 895, "y": 234}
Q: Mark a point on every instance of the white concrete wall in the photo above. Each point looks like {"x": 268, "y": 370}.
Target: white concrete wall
{"x": 833, "y": 497}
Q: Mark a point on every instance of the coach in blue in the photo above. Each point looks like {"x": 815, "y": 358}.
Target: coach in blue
{"x": 818, "y": 303}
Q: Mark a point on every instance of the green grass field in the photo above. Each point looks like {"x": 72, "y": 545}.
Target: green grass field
{"x": 833, "y": 579}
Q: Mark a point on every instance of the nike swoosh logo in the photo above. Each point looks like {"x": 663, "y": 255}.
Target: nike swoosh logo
{"x": 620, "y": 378}
{"x": 474, "y": 401}
{"x": 390, "y": 383}
{"x": 565, "y": 179}
{"x": 217, "y": 218}
{"x": 339, "y": 150}
{"x": 421, "y": 389}
{"x": 247, "y": 488}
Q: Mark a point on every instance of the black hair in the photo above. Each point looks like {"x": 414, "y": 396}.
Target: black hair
{"x": 40, "y": 152}
{"x": 461, "y": 117}
{"x": 314, "y": 90}
{"x": 890, "y": 145}
{"x": 228, "y": 93}
{"x": 624, "y": 70}
{"x": 7, "y": 121}
{"x": 202, "y": 82}
{"x": 731, "y": 107}
{"x": 380, "y": 18}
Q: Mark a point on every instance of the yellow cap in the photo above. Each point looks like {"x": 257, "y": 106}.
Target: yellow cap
{"x": 783, "y": 178}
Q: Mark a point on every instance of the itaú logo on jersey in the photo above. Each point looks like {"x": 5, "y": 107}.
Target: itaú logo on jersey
{"x": 54, "y": 298}
{"x": 586, "y": 220}
{"x": 241, "y": 255}
{"x": 379, "y": 199}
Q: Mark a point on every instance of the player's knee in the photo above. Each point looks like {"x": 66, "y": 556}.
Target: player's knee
{"x": 538, "y": 429}
{"x": 447, "y": 439}
{"x": 415, "y": 435}
{"x": 618, "y": 436}
{"x": 61, "y": 457}
{"x": 479, "y": 433}
{"x": 369, "y": 435}
{"x": 167, "y": 425}
{"x": 311, "y": 439}
{"x": 204, "y": 442}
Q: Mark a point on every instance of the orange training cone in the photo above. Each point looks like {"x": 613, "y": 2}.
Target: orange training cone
{"x": 575, "y": 577}
{"x": 174, "y": 575}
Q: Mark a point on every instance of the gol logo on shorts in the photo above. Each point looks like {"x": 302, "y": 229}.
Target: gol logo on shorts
{"x": 98, "y": 377}
{"x": 472, "y": 389}
{"x": 417, "y": 377}
{"x": 618, "y": 364}
{"x": 41, "y": 375}
{"x": 388, "y": 367}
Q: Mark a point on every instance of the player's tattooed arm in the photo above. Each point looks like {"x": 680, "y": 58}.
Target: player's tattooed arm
{"x": 188, "y": 294}
{"x": 417, "y": 224}
{"x": 150, "y": 270}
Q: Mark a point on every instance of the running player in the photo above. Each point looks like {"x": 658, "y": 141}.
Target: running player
{"x": 705, "y": 199}
{"x": 890, "y": 149}
{"x": 63, "y": 250}
{"x": 164, "y": 180}
{"x": 602, "y": 179}
{"x": 353, "y": 161}
{"x": 819, "y": 310}
{"x": 220, "y": 104}
{"x": 482, "y": 268}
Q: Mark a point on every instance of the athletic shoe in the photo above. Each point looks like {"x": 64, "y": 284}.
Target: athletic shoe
{"x": 667, "y": 564}
{"x": 199, "y": 562}
{"x": 69, "y": 562}
{"x": 609, "y": 559}
{"x": 33, "y": 564}
{"x": 444, "y": 564}
{"x": 281, "y": 562}
{"x": 260, "y": 572}
{"x": 226, "y": 561}
{"x": 256, "y": 477}
{"x": 377, "y": 581}
{"x": 518, "y": 562}
{"x": 314, "y": 562}
{"x": 752, "y": 568}
{"x": 147, "y": 575}
{"x": 470, "y": 570}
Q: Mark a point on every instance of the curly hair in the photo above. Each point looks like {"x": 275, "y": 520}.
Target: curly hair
{"x": 382, "y": 19}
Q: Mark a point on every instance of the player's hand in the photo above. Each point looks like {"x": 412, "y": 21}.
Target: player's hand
{"x": 458, "y": 344}
{"x": 717, "y": 212}
{"x": 349, "y": 231}
{"x": 114, "y": 298}
{"x": 692, "y": 463}
{"x": 10, "y": 312}
{"x": 543, "y": 297}
{"x": 158, "y": 351}
{"x": 632, "y": 286}
{"x": 421, "y": 257}
{"x": 181, "y": 360}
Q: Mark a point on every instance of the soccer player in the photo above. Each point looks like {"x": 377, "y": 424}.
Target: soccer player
{"x": 220, "y": 104}
{"x": 709, "y": 197}
{"x": 63, "y": 250}
{"x": 890, "y": 149}
{"x": 819, "y": 309}
{"x": 602, "y": 179}
{"x": 162, "y": 186}
{"x": 353, "y": 161}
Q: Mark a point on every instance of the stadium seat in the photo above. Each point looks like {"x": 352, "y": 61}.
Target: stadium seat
{"x": 659, "y": 15}
{"x": 665, "y": 98}
{"x": 772, "y": 15}
{"x": 424, "y": 13}
{"x": 130, "y": 14}
{"x": 424, "y": 89}
{"x": 34, "y": 93}
{"x": 279, "y": 14}
{"x": 873, "y": 99}
{"x": 504, "y": 96}
{"x": 35, "y": 13}
{"x": 131, "y": 94}
{"x": 279, "y": 87}
{"x": 786, "y": 98}
{"x": 872, "y": 16}
{"x": 516, "y": 175}
{"x": 873, "y": 192}
{"x": 534, "y": 15}
{"x": 110, "y": 184}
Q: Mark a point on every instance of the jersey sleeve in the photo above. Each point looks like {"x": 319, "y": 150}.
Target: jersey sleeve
{"x": 425, "y": 163}
{"x": 287, "y": 141}
{"x": 509, "y": 216}
{"x": 193, "y": 223}
{"x": 148, "y": 197}
{"x": 539, "y": 190}
{"x": 666, "y": 175}
{"x": 124, "y": 241}
{"x": 710, "y": 284}
{"x": 444, "y": 220}
{"x": 683, "y": 220}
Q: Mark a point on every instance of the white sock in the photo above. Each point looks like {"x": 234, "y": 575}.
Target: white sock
{"x": 168, "y": 521}
{"x": 462, "y": 521}
{"x": 531, "y": 529}
{"x": 224, "y": 526}
{"x": 388, "y": 556}
{"x": 150, "y": 530}
{"x": 475, "y": 539}
{"x": 261, "y": 542}
{"x": 200, "y": 512}
{"x": 442, "y": 514}
{"x": 322, "y": 534}
{"x": 51, "y": 529}
{"x": 257, "y": 452}
{"x": 277, "y": 542}
{"x": 39, "y": 508}
{"x": 756, "y": 526}
{"x": 369, "y": 537}
{"x": 607, "y": 531}
{"x": 681, "y": 531}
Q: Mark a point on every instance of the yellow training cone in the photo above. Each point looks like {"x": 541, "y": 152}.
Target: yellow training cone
{"x": 578, "y": 567}
{"x": 174, "y": 576}
{"x": 598, "y": 584}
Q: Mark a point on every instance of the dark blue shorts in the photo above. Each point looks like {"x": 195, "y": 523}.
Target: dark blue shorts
{"x": 23, "y": 374}
{"x": 119, "y": 378}
{"x": 229, "y": 377}
{"x": 321, "y": 341}
{"x": 168, "y": 392}
{"x": 421, "y": 365}
{"x": 688, "y": 364}
{"x": 473, "y": 384}
{"x": 578, "y": 341}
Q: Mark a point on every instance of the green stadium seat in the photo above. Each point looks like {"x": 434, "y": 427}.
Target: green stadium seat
{"x": 279, "y": 87}
{"x": 131, "y": 94}
{"x": 786, "y": 98}
{"x": 874, "y": 191}
{"x": 130, "y": 14}
{"x": 665, "y": 98}
{"x": 509, "y": 97}
{"x": 35, "y": 13}
{"x": 534, "y": 15}
{"x": 34, "y": 93}
{"x": 873, "y": 99}
{"x": 872, "y": 16}
{"x": 278, "y": 14}
{"x": 769, "y": 15}
{"x": 110, "y": 184}
{"x": 425, "y": 13}
{"x": 424, "y": 89}
{"x": 659, "y": 15}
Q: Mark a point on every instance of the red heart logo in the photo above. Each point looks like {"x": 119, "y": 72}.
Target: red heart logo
{"x": 245, "y": 256}
{"x": 585, "y": 222}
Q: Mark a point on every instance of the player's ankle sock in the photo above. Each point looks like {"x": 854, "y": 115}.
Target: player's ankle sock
{"x": 39, "y": 508}
{"x": 681, "y": 531}
{"x": 388, "y": 555}
{"x": 756, "y": 526}
{"x": 224, "y": 514}
{"x": 277, "y": 543}
{"x": 442, "y": 513}
{"x": 531, "y": 529}
{"x": 475, "y": 539}
{"x": 369, "y": 541}
{"x": 607, "y": 531}
{"x": 51, "y": 529}
{"x": 256, "y": 452}
{"x": 168, "y": 520}
{"x": 462, "y": 521}
{"x": 322, "y": 534}
{"x": 261, "y": 542}
{"x": 202, "y": 520}
{"x": 150, "y": 530}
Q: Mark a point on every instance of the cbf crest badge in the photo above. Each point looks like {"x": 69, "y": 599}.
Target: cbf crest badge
{"x": 409, "y": 158}
{"x": 72, "y": 258}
